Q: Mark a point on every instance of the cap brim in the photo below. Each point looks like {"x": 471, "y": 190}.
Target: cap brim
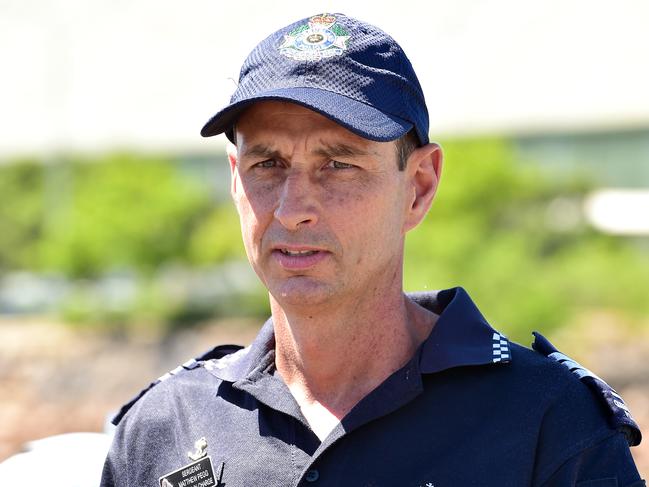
{"x": 362, "y": 119}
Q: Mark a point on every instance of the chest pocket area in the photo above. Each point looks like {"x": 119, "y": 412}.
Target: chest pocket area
{"x": 598, "y": 483}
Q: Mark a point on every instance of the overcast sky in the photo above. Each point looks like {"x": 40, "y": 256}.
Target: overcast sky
{"x": 97, "y": 74}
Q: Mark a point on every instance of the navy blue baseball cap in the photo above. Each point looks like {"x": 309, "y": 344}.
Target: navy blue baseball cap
{"x": 345, "y": 69}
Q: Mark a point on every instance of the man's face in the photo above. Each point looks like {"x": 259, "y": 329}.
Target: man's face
{"x": 323, "y": 211}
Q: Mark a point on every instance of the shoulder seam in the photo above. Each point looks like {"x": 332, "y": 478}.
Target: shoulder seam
{"x": 601, "y": 435}
{"x": 215, "y": 354}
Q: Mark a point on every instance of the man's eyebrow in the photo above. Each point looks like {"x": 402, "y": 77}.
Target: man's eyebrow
{"x": 340, "y": 150}
{"x": 327, "y": 150}
{"x": 261, "y": 150}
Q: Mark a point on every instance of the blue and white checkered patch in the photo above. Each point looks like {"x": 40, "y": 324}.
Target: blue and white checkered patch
{"x": 500, "y": 345}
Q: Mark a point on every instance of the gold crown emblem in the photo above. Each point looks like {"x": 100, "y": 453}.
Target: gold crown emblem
{"x": 323, "y": 20}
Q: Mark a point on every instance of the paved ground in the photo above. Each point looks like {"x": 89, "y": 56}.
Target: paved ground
{"x": 54, "y": 379}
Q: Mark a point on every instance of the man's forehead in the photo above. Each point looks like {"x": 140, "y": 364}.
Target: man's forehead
{"x": 273, "y": 125}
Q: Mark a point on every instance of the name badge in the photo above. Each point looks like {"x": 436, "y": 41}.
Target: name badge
{"x": 197, "y": 474}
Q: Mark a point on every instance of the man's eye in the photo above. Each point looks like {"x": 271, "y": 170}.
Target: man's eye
{"x": 266, "y": 164}
{"x": 340, "y": 165}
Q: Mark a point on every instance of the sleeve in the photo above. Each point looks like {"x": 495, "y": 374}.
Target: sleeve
{"x": 577, "y": 447}
{"x": 115, "y": 471}
{"x": 139, "y": 449}
{"x": 607, "y": 464}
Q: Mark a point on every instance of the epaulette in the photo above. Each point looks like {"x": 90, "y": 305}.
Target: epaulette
{"x": 619, "y": 416}
{"x": 217, "y": 352}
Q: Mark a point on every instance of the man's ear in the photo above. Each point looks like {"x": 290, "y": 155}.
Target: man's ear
{"x": 231, "y": 151}
{"x": 424, "y": 170}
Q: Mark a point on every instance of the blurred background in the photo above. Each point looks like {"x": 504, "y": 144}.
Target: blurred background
{"x": 120, "y": 254}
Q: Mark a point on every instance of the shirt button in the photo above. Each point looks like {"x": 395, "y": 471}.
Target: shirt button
{"x": 312, "y": 475}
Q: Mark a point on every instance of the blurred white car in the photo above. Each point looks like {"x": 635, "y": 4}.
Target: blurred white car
{"x": 67, "y": 460}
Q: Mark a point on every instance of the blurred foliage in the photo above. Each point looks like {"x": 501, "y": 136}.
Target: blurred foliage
{"x": 517, "y": 242}
{"x": 122, "y": 211}
{"x": 207, "y": 245}
{"x": 22, "y": 209}
{"x": 85, "y": 218}
{"x": 499, "y": 228}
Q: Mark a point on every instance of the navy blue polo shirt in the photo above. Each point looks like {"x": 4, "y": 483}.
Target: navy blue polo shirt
{"x": 470, "y": 408}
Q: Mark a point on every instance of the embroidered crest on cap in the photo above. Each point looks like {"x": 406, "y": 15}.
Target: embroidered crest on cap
{"x": 321, "y": 38}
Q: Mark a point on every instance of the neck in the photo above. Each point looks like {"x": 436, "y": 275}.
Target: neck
{"x": 333, "y": 357}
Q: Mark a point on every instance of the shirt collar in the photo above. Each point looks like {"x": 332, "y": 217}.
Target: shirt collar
{"x": 241, "y": 364}
{"x": 460, "y": 337}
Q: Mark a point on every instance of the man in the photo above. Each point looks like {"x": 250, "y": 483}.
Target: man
{"x": 352, "y": 382}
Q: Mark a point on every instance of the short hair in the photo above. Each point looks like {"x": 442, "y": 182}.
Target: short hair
{"x": 405, "y": 145}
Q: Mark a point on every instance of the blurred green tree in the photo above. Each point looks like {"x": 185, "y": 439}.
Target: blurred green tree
{"x": 122, "y": 211}
{"x": 22, "y": 206}
{"x": 491, "y": 230}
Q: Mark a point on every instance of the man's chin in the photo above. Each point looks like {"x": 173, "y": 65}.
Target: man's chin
{"x": 302, "y": 291}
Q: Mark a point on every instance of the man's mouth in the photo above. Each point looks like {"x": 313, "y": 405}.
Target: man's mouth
{"x": 297, "y": 253}
{"x": 299, "y": 259}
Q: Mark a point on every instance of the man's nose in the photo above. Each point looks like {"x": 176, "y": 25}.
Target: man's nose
{"x": 297, "y": 204}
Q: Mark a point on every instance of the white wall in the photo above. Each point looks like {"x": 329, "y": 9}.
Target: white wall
{"x": 95, "y": 74}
